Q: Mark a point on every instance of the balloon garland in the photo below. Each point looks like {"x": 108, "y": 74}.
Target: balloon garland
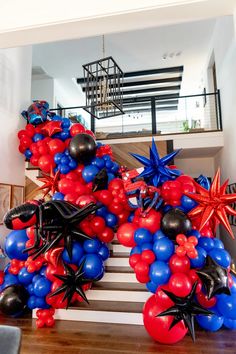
{"x": 58, "y": 245}
{"x": 175, "y": 251}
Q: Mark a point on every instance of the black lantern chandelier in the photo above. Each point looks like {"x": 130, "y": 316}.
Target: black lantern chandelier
{"x": 103, "y": 81}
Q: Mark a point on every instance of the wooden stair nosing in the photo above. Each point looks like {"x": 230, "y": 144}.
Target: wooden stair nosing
{"x": 114, "y": 306}
{"x": 119, "y": 286}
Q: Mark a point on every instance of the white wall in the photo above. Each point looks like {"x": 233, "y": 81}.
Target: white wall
{"x": 196, "y": 166}
{"x": 224, "y": 47}
{"x": 15, "y": 86}
{"x": 43, "y": 89}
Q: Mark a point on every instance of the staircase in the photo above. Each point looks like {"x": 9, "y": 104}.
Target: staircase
{"x": 117, "y": 297}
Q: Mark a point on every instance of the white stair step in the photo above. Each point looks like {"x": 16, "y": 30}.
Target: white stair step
{"x": 98, "y": 316}
{"x": 120, "y": 249}
{"x": 118, "y": 278}
{"x": 117, "y": 262}
{"x": 117, "y": 295}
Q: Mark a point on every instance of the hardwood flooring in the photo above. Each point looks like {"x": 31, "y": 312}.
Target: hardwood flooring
{"x": 98, "y": 338}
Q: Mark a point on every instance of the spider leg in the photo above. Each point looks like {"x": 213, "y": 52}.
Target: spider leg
{"x": 37, "y": 252}
{"x": 68, "y": 245}
{"x": 56, "y": 239}
{"x": 82, "y": 213}
{"x": 52, "y": 228}
{"x": 80, "y": 234}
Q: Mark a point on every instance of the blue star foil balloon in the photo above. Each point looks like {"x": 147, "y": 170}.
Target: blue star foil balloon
{"x": 156, "y": 170}
{"x": 204, "y": 182}
{"x": 37, "y": 112}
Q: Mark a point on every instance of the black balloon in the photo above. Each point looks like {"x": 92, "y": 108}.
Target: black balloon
{"x": 13, "y": 300}
{"x": 175, "y": 222}
{"x": 82, "y": 148}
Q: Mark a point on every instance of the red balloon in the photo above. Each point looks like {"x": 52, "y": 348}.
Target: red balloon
{"x": 55, "y": 146}
{"x": 151, "y": 221}
{"x": 141, "y": 268}
{"x": 89, "y": 132}
{"x": 104, "y": 196}
{"x": 25, "y": 141}
{"x": 159, "y": 327}
{"x": 134, "y": 259}
{"x": 86, "y": 228}
{"x": 161, "y": 297}
{"x": 30, "y": 130}
{"x": 72, "y": 175}
{"x": 34, "y": 160}
{"x": 194, "y": 277}
{"x": 125, "y": 234}
{"x": 98, "y": 224}
{"x": 66, "y": 186}
{"x": 123, "y": 217}
{"x": 46, "y": 163}
{"x": 22, "y": 133}
{"x": 77, "y": 128}
{"x": 71, "y": 197}
{"x": 180, "y": 284}
{"x": 43, "y": 150}
{"x": 116, "y": 184}
{"x": 142, "y": 278}
{"x": 84, "y": 200}
{"x": 203, "y": 300}
{"x": 80, "y": 188}
{"x": 106, "y": 235}
{"x": 148, "y": 256}
{"x": 179, "y": 264}
{"x": 115, "y": 208}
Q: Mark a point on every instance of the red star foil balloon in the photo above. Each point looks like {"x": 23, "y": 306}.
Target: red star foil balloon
{"x": 213, "y": 204}
{"x": 50, "y": 182}
{"x": 52, "y": 128}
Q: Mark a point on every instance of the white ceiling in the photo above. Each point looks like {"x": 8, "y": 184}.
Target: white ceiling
{"x": 135, "y": 50}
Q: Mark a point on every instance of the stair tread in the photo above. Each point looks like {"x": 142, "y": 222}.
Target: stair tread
{"x": 112, "y": 269}
{"x": 110, "y": 306}
{"x": 119, "y": 255}
{"x": 119, "y": 286}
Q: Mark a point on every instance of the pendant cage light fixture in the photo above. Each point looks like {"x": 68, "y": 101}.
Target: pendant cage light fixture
{"x": 103, "y": 81}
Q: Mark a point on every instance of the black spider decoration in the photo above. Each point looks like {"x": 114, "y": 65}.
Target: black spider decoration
{"x": 100, "y": 181}
{"x": 184, "y": 308}
{"x": 73, "y": 282}
{"x": 58, "y": 220}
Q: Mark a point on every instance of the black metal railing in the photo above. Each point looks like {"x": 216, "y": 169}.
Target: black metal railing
{"x": 162, "y": 115}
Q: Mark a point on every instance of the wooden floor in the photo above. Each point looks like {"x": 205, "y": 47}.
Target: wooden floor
{"x": 95, "y": 338}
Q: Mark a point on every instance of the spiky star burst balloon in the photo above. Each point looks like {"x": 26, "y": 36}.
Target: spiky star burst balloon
{"x": 156, "y": 170}
{"x": 213, "y": 204}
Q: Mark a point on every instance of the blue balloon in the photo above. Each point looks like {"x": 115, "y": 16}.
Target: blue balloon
{"x": 77, "y": 253}
{"x": 226, "y": 305}
{"x": 142, "y": 235}
{"x": 187, "y": 203}
{"x": 163, "y": 249}
{"x": 152, "y": 287}
{"x": 41, "y": 303}
{"x": 210, "y": 322}
{"x": 89, "y": 172}
{"x": 25, "y": 277}
{"x": 115, "y": 167}
{"x": 65, "y": 134}
{"x": 42, "y": 287}
{"x": 64, "y": 169}
{"x": 65, "y": 160}
{"x": 43, "y": 271}
{"x": 58, "y": 196}
{"x": 158, "y": 235}
{"x": 36, "y": 277}
{"x": 159, "y": 272}
{"x": 92, "y": 246}
{"x": 136, "y": 250}
{"x": 99, "y": 144}
{"x": 233, "y": 287}
{"x": 200, "y": 260}
{"x": 110, "y": 177}
{"x": 194, "y": 233}
{"x": 15, "y": 245}
{"x": 166, "y": 208}
{"x": 57, "y": 118}
{"x": 32, "y": 302}
{"x": 229, "y": 323}
{"x": 111, "y": 220}
{"x": 98, "y": 162}
{"x": 9, "y": 279}
{"x": 130, "y": 218}
{"x": 102, "y": 211}
{"x": 58, "y": 157}
{"x": 218, "y": 243}
{"x": 221, "y": 257}
{"x": 93, "y": 267}
{"x": 30, "y": 289}
{"x": 28, "y": 154}
{"x": 73, "y": 164}
{"x": 104, "y": 252}
{"x": 146, "y": 246}
{"x": 65, "y": 123}
{"x": 106, "y": 157}
{"x": 109, "y": 164}
{"x": 206, "y": 242}
{"x": 38, "y": 137}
